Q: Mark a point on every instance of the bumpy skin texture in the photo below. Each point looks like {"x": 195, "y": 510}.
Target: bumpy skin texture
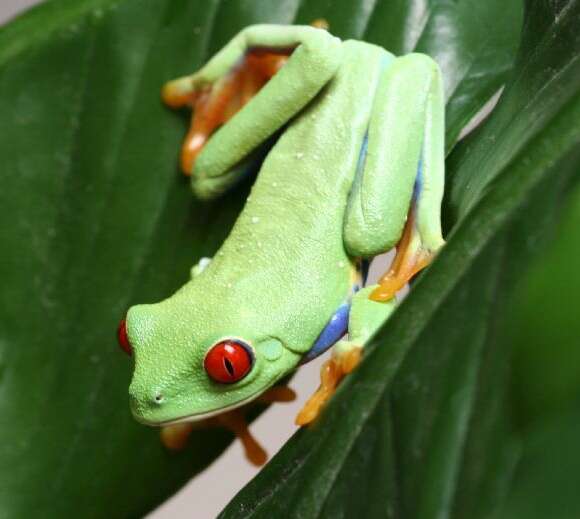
{"x": 337, "y": 185}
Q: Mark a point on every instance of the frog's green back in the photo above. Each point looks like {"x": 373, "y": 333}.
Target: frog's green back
{"x": 284, "y": 268}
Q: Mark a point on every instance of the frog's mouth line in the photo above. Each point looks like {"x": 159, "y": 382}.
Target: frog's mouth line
{"x": 196, "y": 417}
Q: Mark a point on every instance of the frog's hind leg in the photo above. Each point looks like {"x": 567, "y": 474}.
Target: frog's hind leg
{"x": 256, "y": 83}
{"x": 365, "y": 317}
{"x": 395, "y": 200}
{"x": 396, "y": 197}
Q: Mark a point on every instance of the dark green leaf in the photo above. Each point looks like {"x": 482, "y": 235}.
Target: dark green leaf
{"x": 546, "y": 484}
{"x": 547, "y": 357}
{"x": 96, "y": 218}
{"x": 546, "y": 82}
{"x": 543, "y": 327}
{"x": 437, "y": 369}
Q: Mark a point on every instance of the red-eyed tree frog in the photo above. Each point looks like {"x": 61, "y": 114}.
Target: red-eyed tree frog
{"x": 356, "y": 169}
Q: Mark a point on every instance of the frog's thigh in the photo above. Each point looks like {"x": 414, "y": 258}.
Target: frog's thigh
{"x": 404, "y": 130}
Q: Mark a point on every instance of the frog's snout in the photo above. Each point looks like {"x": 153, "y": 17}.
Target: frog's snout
{"x": 146, "y": 399}
{"x": 145, "y": 405}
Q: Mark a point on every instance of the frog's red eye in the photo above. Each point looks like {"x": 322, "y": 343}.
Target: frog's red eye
{"x": 228, "y": 361}
{"x": 123, "y": 339}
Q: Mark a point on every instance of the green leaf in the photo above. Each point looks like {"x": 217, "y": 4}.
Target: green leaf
{"x": 545, "y": 483}
{"x": 547, "y": 357}
{"x": 543, "y": 327}
{"x": 97, "y": 218}
{"x": 540, "y": 90}
{"x": 426, "y": 413}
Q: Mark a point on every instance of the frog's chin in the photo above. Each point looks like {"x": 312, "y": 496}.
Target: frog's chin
{"x": 196, "y": 417}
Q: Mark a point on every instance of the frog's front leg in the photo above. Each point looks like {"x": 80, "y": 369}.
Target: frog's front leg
{"x": 256, "y": 83}
{"x": 396, "y": 197}
{"x": 365, "y": 318}
{"x": 175, "y": 437}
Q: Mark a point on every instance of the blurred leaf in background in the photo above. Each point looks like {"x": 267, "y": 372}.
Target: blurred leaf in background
{"x": 546, "y": 482}
{"x": 543, "y": 326}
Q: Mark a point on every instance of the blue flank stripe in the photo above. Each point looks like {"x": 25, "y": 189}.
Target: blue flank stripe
{"x": 362, "y": 156}
{"x": 418, "y": 180}
{"x": 331, "y": 334}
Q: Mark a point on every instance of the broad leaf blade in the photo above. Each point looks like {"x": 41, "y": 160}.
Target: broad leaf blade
{"x": 99, "y": 219}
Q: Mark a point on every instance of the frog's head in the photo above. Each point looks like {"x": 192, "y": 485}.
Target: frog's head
{"x": 188, "y": 369}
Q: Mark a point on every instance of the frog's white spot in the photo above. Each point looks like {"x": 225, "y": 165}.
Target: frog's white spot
{"x": 197, "y": 140}
{"x": 203, "y": 263}
{"x": 229, "y": 285}
{"x": 221, "y": 253}
{"x": 255, "y": 219}
{"x": 299, "y": 155}
{"x": 313, "y": 116}
{"x": 316, "y": 157}
{"x": 248, "y": 199}
{"x": 341, "y": 264}
{"x": 274, "y": 184}
{"x": 259, "y": 244}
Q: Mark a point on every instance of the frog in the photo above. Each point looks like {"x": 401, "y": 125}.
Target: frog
{"x": 349, "y": 140}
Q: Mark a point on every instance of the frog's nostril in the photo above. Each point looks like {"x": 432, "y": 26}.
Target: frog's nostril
{"x": 158, "y": 399}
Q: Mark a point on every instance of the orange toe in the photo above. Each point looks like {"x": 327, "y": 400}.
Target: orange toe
{"x": 331, "y": 373}
{"x": 235, "y": 421}
{"x": 174, "y": 437}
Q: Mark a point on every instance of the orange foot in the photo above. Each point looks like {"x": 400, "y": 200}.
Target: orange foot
{"x": 410, "y": 259}
{"x": 214, "y": 104}
{"x": 175, "y": 437}
{"x": 331, "y": 373}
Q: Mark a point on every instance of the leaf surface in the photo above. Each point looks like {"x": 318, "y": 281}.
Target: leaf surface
{"x": 98, "y": 218}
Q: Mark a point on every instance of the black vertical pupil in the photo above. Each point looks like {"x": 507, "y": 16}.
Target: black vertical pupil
{"x": 229, "y": 367}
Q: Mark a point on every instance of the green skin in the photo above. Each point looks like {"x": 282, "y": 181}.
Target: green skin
{"x": 288, "y": 263}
